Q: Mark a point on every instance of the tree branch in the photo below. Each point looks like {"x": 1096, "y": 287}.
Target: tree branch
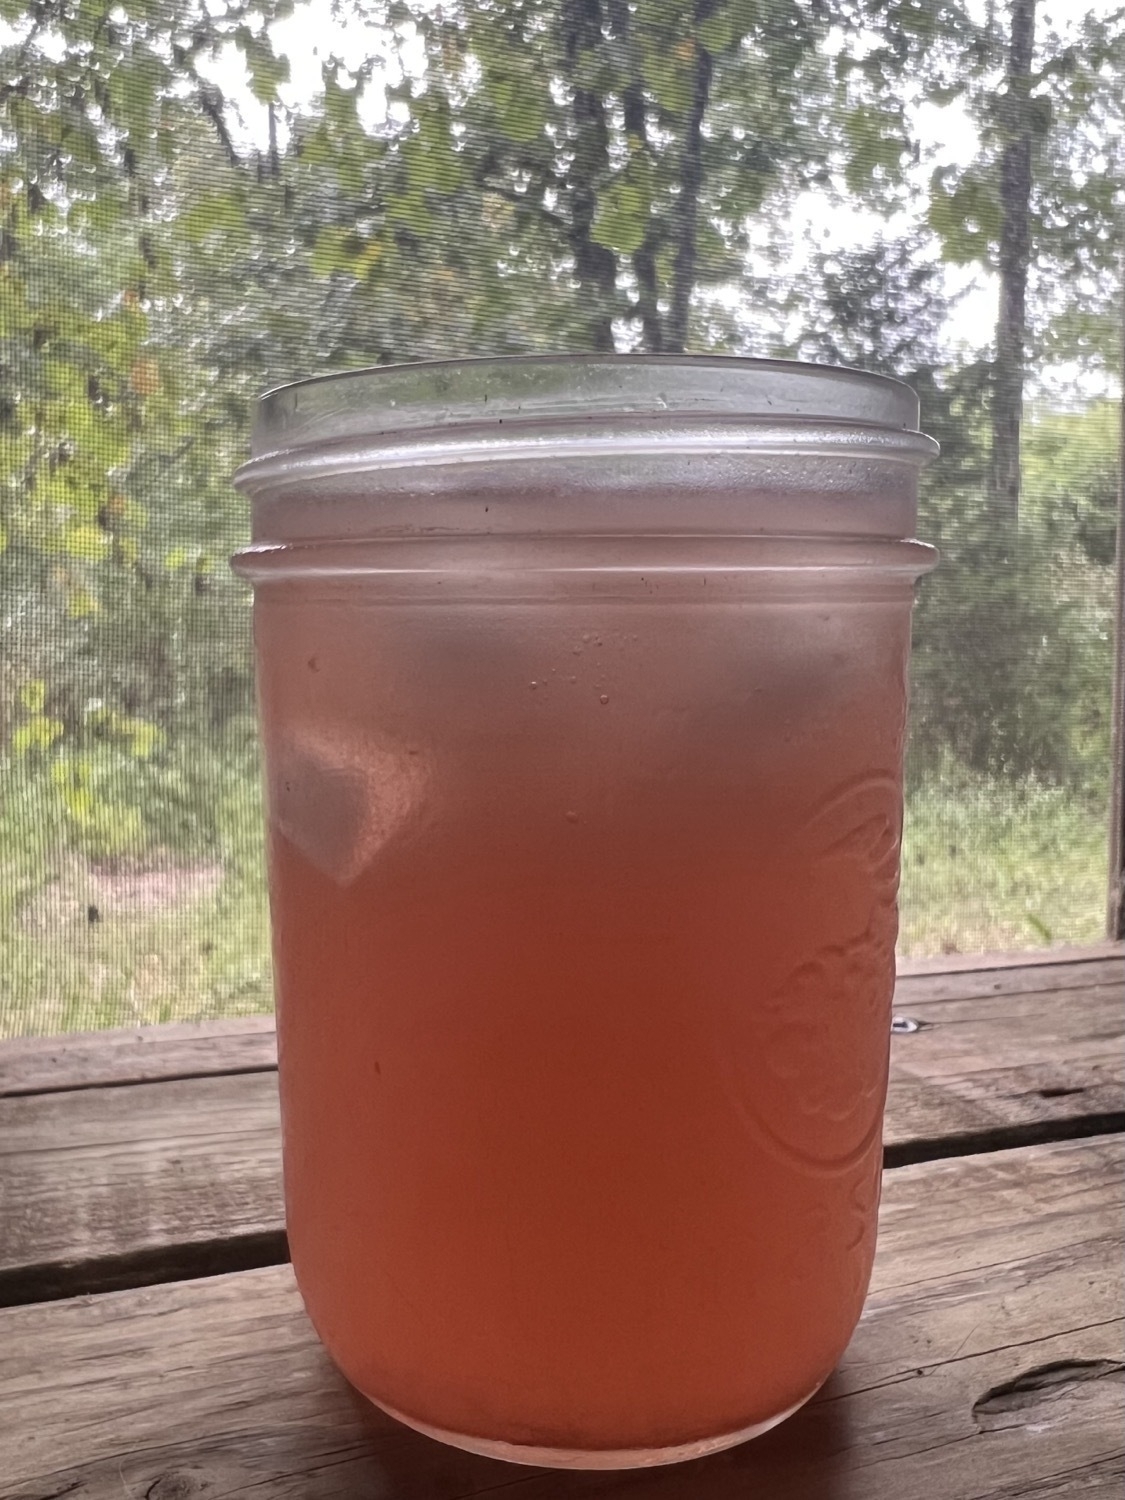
{"x": 691, "y": 183}
{"x": 211, "y": 102}
{"x": 522, "y": 200}
{"x": 647, "y": 306}
{"x": 594, "y": 264}
{"x": 1014, "y": 261}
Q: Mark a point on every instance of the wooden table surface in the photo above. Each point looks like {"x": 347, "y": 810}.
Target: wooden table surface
{"x": 152, "y": 1343}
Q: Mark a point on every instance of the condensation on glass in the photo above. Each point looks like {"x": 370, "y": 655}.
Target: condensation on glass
{"x": 583, "y": 689}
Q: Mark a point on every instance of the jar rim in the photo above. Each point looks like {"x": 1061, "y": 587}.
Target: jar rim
{"x": 502, "y": 391}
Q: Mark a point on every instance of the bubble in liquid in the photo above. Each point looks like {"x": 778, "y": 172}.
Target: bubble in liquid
{"x": 533, "y": 686}
{"x": 572, "y": 817}
{"x": 604, "y": 698}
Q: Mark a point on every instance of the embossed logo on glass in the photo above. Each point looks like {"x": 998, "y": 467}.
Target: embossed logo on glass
{"x": 825, "y": 1025}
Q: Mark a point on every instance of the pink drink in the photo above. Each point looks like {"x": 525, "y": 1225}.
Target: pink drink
{"x": 583, "y": 893}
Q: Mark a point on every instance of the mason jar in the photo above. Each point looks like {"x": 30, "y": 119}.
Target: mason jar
{"x": 583, "y": 686}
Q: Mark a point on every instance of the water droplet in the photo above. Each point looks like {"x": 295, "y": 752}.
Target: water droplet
{"x": 572, "y": 817}
{"x": 533, "y": 686}
{"x": 604, "y": 698}
{"x": 573, "y": 678}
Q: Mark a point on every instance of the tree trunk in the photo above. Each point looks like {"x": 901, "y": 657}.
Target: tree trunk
{"x": 595, "y": 265}
{"x": 635, "y": 116}
{"x": 691, "y": 182}
{"x": 1116, "y": 912}
{"x": 1014, "y": 260}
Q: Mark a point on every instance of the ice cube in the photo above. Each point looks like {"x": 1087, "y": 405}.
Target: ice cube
{"x": 340, "y": 796}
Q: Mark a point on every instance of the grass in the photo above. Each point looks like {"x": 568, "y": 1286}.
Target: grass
{"x": 986, "y": 866}
{"x": 989, "y": 866}
{"x": 91, "y": 943}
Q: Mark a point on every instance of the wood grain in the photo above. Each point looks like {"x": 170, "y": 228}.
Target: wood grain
{"x": 34, "y": 1065}
{"x": 991, "y": 1271}
{"x": 143, "y": 1054}
{"x": 1024, "y": 958}
{"x": 1006, "y": 1069}
{"x": 973, "y": 984}
{"x": 120, "y": 1186}
{"x": 132, "y": 1184}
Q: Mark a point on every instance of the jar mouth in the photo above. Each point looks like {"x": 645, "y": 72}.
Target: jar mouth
{"x": 632, "y": 445}
{"x": 510, "y": 395}
{"x": 590, "y": 449}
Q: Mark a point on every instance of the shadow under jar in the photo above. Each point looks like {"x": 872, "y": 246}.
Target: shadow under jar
{"x": 582, "y": 688}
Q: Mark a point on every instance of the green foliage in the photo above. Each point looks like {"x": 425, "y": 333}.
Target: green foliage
{"x": 1012, "y": 656}
{"x": 1071, "y": 479}
{"x": 1075, "y": 116}
{"x": 991, "y": 865}
{"x": 545, "y": 175}
{"x": 87, "y": 943}
{"x": 965, "y": 214}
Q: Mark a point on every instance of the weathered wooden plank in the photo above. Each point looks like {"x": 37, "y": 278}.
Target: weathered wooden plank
{"x": 32, "y": 1065}
{"x": 1035, "y": 1007}
{"x": 991, "y": 1270}
{"x": 119, "y": 1186}
{"x": 144, "y": 1054}
{"x": 1023, "y": 958}
{"x": 1035, "y": 979}
{"x": 1036, "y": 1064}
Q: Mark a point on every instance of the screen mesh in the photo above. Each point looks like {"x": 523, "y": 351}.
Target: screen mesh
{"x": 199, "y": 199}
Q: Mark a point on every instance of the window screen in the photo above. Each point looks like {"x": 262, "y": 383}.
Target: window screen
{"x": 199, "y": 199}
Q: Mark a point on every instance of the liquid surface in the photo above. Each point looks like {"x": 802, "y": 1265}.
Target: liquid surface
{"x": 584, "y": 943}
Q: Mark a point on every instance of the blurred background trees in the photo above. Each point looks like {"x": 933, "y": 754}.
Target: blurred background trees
{"x": 182, "y": 224}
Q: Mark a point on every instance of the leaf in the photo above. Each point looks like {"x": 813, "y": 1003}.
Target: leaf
{"x": 90, "y": 543}
{"x": 513, "y": 85}
{"x": 669, "y": 81}
{"x": 267, "y": 71}
{"x": 369, "y": 257}
{"x": 217, "y": 213}
{"x": 621, "y": 221}
{"x": 877, "y": 145}
{"x": 78, "y": 801}
{"x": 33, "y": 695}
{"x": 144, "y": 377}
{"x": 136, "y": 87}
{"x": 717, "y": 32}
{"x": 143, "y": 737}
{"x": 38, "y": 734}
{"x": 81, "y": 604}
{"x": 967, "y": 217}
{"x": 340, "y": 104}
{"x": 336, "y": 250}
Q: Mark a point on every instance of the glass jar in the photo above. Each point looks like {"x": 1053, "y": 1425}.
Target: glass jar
{"x": 583, "y": 688}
